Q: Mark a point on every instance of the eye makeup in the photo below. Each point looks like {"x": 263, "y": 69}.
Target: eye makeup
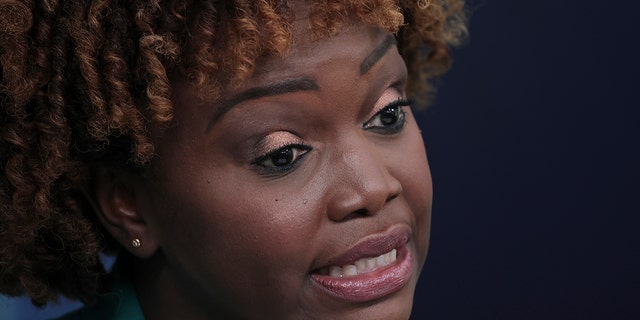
{"x": 279, "y": 153}
{"x": 390, "y": 119}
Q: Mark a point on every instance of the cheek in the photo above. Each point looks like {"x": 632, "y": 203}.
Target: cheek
{"x": 417, "y": 187}
{"x": 238, "y": 241}
{"x": 238, "y": 220}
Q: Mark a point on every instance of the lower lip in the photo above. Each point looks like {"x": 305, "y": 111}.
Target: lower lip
{"x": 372, "y": 285}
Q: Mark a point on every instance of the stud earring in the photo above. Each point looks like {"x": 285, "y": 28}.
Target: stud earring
{"x": 136, "y": 243}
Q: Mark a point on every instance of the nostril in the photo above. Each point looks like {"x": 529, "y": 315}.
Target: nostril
{"x": 391, "y": 197}
{"x": 361, "y": 212}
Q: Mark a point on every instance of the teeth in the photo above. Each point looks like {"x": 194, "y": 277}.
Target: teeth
{"x": 335, "y": 271}
{"x": 364, "y": 265}
{"x": 361, "y": 264}
{"x": 371, "y": 263}
{"x": 349, "y": 270}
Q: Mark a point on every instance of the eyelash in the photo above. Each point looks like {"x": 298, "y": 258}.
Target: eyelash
{"x": 274, "y": 169}
{"x": 399, "y": 122}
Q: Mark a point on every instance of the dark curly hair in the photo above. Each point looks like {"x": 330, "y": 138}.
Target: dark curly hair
{"x": 81, "y": 81}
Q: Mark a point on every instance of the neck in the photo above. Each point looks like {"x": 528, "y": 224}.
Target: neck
{"x": 166, "y": 293}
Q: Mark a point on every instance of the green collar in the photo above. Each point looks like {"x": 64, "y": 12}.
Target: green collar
{"x": 120, "y": 304}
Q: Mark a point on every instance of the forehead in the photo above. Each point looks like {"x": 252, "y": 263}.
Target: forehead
{"x": 308, "y": 52}
{"x": 310, "y": 57}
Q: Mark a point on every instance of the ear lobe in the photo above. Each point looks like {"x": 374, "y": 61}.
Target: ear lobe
{"x": 117, "y": 208}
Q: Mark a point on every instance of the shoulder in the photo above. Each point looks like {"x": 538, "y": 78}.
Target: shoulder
{"x": 73, "y": 315}
{"x": 120, "y": 304}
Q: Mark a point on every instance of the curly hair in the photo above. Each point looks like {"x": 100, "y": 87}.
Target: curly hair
{"x": 82, "y": 81}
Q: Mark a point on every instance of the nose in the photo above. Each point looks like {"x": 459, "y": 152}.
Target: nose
{"x": 362, "y": 182}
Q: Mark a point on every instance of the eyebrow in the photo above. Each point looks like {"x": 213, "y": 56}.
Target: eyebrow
{"x": 278, "y": 88}
{"x": 377, "y": 54}
{"x": 296, "y": 85}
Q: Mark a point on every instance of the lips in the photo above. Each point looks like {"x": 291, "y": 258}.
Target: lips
{"x": 377, "y": 266}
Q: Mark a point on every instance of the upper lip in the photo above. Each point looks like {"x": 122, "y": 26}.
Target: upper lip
{"x": 373, "y": 246}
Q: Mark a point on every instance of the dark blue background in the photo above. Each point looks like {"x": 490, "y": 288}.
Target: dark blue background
{"x": 534, "y": 148}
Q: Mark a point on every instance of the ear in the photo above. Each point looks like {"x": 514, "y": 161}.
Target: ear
{"x": 118, "y": 210}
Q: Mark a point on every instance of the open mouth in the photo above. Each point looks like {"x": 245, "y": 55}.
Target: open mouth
{"x": 360, "y": 276}
{"x": 361, "y": 266}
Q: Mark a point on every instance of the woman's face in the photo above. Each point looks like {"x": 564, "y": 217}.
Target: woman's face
{"x": 306, "y": 193}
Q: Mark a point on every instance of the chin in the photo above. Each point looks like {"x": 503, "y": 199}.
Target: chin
{"x": 396, "y": 307}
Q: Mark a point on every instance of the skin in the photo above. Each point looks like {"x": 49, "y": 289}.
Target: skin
{"x": 224, "y": 237}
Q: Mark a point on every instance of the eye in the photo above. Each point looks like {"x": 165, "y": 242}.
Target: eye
{"x": 282, "y": 159}
{"x": 390, "y": 119}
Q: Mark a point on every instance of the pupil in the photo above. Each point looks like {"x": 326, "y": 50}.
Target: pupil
{"x": 389, "y": 116}
{"x": 283, "y": 157}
